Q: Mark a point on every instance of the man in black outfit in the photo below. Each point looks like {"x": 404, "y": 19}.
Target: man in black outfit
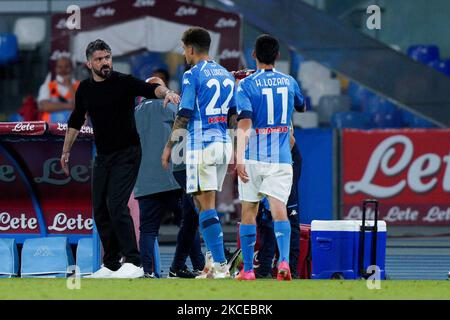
{"x": 108, "y": 97}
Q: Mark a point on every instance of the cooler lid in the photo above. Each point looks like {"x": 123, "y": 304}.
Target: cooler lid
{"x": 344, "y": 225}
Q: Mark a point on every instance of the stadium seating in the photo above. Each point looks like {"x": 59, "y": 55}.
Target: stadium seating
{"x": 296, "y": 59}
{"x": 9, "y": 258}
{"x": 311, "y": 73}
{"x": 324, "y": 88}
{"x": 309, "y": 119}
{"x": 46, "y": 257}
{"x": 84, "y": 255}
{"x": 441, "y": 66}
{"x": 350, "y": 119}
{"x": 8, "y": 48}
{"x": 30, "y": 32}
{"x": 359, "y": 96}
{"x": 330, "y": 104}
{"x": 413, "y": 121}
{"x": 424, "y": 53}
{"x": 383, "y": 113}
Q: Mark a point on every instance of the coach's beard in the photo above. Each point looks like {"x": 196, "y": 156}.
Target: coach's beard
{"x": 104, "y": 72}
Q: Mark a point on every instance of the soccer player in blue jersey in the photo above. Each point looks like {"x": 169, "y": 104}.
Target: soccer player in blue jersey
{"x": 265, "y": 103}
{"x": 206, "y": 94}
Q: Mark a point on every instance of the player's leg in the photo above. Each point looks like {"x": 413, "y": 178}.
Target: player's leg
{"x": 277, "y": 186}
{"x": 247, "y": 234}
{"x": 294, "y": 253}
{"x": 250, "y": 197}
{"x": 282, "y": 230}
{"x": 210, "y": 226}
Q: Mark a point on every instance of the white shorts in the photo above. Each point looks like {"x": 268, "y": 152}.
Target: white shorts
{"x": 266, "y": 179}
{"x": 206, "y": 169}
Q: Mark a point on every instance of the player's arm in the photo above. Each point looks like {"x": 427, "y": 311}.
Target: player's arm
{"x": 244, "y": 126}
{"x": 185, "y": 112}
{"x": 76, "y": 120}
{"x": 153, "y": 90}
{"x": 232, "y": 113}
{"x": 232, "y": 118}
{"x": 243, "y": 134}
{"x": 299, "y": 99}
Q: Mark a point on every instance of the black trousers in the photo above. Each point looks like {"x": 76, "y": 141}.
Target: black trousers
{"x": 113, "y": 180}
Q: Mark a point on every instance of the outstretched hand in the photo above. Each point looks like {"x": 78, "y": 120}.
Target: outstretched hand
{"x": 171, "y": 97}
{"x": 65, "y": 162}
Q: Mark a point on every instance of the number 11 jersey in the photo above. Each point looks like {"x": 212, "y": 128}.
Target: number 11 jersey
{"x": 268, "y": 98}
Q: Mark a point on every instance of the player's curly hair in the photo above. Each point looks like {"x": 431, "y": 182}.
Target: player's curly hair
{"x": 198, "y": 38}
{"x": 267, "y": 49}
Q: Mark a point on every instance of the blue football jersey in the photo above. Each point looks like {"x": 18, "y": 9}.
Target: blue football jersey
{"x": 268, "y": 98}
{"x": 207, "y": 94}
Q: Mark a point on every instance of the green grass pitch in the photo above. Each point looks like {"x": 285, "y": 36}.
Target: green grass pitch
{"x": 182, "y": 289}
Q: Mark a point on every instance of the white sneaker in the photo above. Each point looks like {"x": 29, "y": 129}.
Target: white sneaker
{"x": 102, "y": 273}
{"x": 128, "y": 271}
{"x": 220, "y": 271}
{"x": 208, "y": 266}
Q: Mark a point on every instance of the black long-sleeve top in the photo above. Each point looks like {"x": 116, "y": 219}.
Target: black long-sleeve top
{"x": 110, "y": 105}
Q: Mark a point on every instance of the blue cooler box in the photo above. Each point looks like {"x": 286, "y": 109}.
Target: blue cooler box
{"x": 335, "y": 248}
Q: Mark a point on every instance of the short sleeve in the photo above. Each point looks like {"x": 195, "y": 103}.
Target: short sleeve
{"x": 188, "y": 95}
{"x": 243, "y": 103}
{"x": 299, "y": 100}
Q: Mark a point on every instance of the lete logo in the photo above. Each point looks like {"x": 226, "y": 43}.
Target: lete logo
{"x": 23, "y": 127}
{"x": 62, "y": 223}
{"x": 52, "y": 168}
{"x": 58, "y": 54}
{"x": 186, "y": 11}
{"x": 424, "y": 166}
{"x": 9, "y": 223}
{"x": 104, "y": 12}
{"x": 230, "y": 54}
{"x": 226, "y": 23}
{"x": 144, "y": 3}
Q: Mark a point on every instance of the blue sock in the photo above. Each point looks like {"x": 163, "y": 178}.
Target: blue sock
{"x": 247, "y": 234}
{"x": 212, "y": 234}
{"x": 200, "y": 228}
{"x": 282, "y": 231}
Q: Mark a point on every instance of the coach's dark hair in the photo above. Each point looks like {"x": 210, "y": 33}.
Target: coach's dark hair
{"x": 95, "y": 46}
{"x": 197, "y": 37}
{"x": 267, "y": 49}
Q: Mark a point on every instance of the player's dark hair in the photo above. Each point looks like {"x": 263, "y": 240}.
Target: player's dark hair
{"x": 267, "y": 49}
{"x": 96, "y": 45}
{"x": 198, "y": 38}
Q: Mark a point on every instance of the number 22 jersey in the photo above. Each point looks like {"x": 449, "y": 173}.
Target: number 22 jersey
{"x": 207, "y": 93}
